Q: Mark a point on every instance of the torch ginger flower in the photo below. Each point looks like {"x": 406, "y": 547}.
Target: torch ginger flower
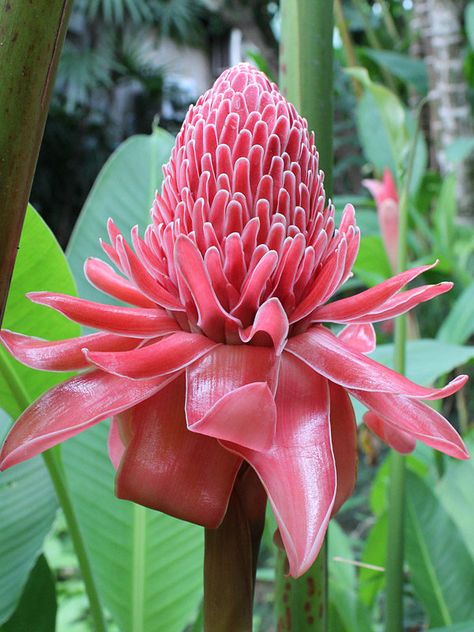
{"x": 224, "y": 358}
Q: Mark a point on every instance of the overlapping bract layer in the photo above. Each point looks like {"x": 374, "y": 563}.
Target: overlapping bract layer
{"x": 222, "y": 358}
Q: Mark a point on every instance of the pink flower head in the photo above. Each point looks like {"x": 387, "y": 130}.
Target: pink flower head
{"x": 386, "y": 198}
{"x": 223, "y": 358}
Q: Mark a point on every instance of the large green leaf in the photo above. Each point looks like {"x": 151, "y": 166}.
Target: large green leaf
{"x": 459, "y": 325}
{"x": 372, "y": 265}
{"x": 40, "y": 265}
{"x": 455, "y": 492}
{"x": 408, "y": 69}
{"x": 442, "y": 570}
{"x": 27, "y": 499}
{"x": 427, "y": 360}
{"x": 444, "y": 217}
{"x": 346, "y": 612}
{"x": 371, "y": 580}
{"x": 27, "y": 510}
{"x": 386, "y": 130}
{"x": 148, "y": 566}
{"x": 124, "y": 191}
{"x": 36, "y": 609}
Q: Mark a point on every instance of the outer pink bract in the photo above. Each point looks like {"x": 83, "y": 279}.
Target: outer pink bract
{"x": 386, "y": 198}
{"x": 223, "y": 359}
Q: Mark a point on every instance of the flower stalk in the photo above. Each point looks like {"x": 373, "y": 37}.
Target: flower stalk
{"x": 396, "y": 518}
{"x": 306, "y": 76}
{"x": 230, "y": 560}
{"x": 31, "y": 40}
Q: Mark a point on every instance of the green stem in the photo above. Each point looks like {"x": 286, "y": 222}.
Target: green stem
{"x": 53, "y": 462}
{"x": 396, "y": 506}
{"x": 306, "y": 70}
{"x": 374, "y": 42}
{"x": 31, "y": 39}
{"x": 306, "y": 77}
{"x": 302, "y": 604}
{"x": 351, "y": 55}
{"x": 230, "y": 558}
{"x": 389, "y": 22}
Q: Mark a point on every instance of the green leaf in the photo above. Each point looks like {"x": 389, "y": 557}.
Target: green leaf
{"x": 346, "y": 613}
{"x": 408, "y": 69}
{"x": 427, "y": 360}
{"x": 372, "y": 265}
{"x": 374, "y": 553}
{"x": 124, "y": 190}
{"x": 444, "y": 216}
{"x": 467, "y": 626}
{"x": 148, "y": 566}
{"x": 36, "y": 609}
{"x": 40, "y": 265}
{"x": 386, "y": 130}
{"x": 460, "y": 149}
{"x": 27, "y": 500}
{"x": 442, "y": 570}
{"x": 455, "y": 492}
{"x": 459, "y": 324}
{"x": 27, "y": 510}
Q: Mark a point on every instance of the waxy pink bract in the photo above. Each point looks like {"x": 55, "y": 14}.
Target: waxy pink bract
{"x": 224, "y": 357}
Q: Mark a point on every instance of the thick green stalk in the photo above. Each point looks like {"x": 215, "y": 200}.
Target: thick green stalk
{"x": 306, "y": 70}
{"x": 306, "y": 78}
{"x": 301, "y": 605}
{"x": 230, "y": 558}
{"x": 396, "y": 504}
{"x": 349, "y": 50}
{"x": 52, "y": 459}
{"x": 31, "y": 39}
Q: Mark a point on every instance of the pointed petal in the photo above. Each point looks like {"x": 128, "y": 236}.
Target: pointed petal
{"x": 298, "y": 471}
{"x": 229, "y": 395}
{"x": 146, "y": 283}
{"x": 212, "y": 316}
{"x": 328, "y": 355}
{"x": 324, "y": 285}
{"x": 394, "y": 437}
{"x": 170, "y": 469}
{"x": 159, "y": 358}
{"x": 344, "y": 443}
{"x": 416, "y": 419}
{"x": 270, "y": 319}
{"x": 127, "y": 321}
{"x": 104, "y": 278}
{"x": 403, "y": 302}
{"x": 70, "y": 408}
{"x": 61, "y": 355}
{"x": 360, "y": 338}
{"x": 368, "y": 301}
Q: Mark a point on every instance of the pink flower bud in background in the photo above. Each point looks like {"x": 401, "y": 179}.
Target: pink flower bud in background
{"x": 386, "y": 198}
